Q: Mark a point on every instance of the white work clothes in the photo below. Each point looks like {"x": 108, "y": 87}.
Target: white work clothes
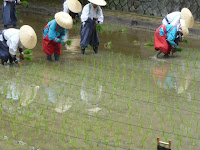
{"x": 65, "y": 8}
{"x": 90, "y": 12}
{"x": 172, "y": 18}
{"x": 8, "y": 1}
{"x": 12, "y": 37}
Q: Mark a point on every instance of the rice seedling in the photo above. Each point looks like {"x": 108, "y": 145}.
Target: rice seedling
{"x": 99, "y": 28}
{"x": 68, "y": 42}
{"x": 28, "y": 57}
{"x": 25, "y": 3}
{"x": 108, "y": 45}
{"x": 185, "y": 41}
{"x": 28, "y": 51}
{"x": 124, "y": 30}
{"x": 17, "y": 12}
{"x": 149, "y": 44}
{"x": 51, "y": 18}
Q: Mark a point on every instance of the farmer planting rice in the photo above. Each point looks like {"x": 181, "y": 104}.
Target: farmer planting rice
{"x": 54, "y": 33}
{"x": 12, "y": 39}
{"x": 174, "y": 18}
{"x": 91, "y": 15}
{"x": 9, "y": 16}
{"x": 72, "y": 7}
{"x": 166, "y": 37}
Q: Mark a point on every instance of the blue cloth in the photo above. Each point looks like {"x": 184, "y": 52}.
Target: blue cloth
{"x": 4, "y": 49}
{"x": 54, "y": 31}
{"x": 89, "y": 34}
{"x": 171, "y": 34}
{"x": 9, "y": 16}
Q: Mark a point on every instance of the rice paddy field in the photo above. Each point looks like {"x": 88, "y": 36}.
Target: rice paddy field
{"x": 120, "y": 98}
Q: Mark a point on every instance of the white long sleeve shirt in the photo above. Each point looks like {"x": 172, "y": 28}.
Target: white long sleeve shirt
{"x": 13, "y": 41}
{"x": 8, "y": 1}
{"x": 65, "y": 8}
{"x": 173, "y": 18}
{"x": 90, "y": 12}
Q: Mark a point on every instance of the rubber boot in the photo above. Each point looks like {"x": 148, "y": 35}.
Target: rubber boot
{"x": 83, "y": 51}
{"x": 57, "y": 57}
{"x": 49, "y": 58}
{"x": 95, "y": 48}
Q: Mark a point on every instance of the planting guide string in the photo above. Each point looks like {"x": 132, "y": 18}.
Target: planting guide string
{"x": 122, "y": 122}
{"x": 146, "y": 128}
{"x": 134, "y": 87}
{"x": 80, "y": 138}
{"x": 130, "y": 124}
{"x": 148, "y": 102}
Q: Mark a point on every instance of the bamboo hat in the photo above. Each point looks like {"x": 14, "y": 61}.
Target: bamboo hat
{"x": 28, "y": 37}
{"x": 64, "y": 20}
{"x": 98, "y": 2}
{"x": 188, "y": 17}
{"x": 185, "y": 30}
{"x": 74, "y": 6}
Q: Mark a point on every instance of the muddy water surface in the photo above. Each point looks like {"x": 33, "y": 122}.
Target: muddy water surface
{"x": 117, "y": 99}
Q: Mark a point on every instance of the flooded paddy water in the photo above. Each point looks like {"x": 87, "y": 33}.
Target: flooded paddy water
{"x": 120, "y": 98}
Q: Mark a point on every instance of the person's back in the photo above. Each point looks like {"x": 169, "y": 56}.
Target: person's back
{"x": 172, "y": 18}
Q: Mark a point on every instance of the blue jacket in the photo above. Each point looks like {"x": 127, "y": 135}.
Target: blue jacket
{"x": 171, "y": 34}
{"x": 54, "y": 31}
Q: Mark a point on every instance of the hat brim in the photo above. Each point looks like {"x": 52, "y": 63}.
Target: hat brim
{"x": 184, "y": 28}
{"x": 28, "y": 37}
{"x": 74, "y": 6}
{"x": 188, "y": 17}
{"x": 64, "y": 20}
{"x": 98, "y": 2}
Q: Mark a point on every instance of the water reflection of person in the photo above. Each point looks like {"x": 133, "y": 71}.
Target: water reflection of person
{"x": 166, "y": 79}
{"x": 91, "y": 96}
{"x": 12, "y": 39}
{"x": 91, "y": 15}
{"x": 52, "y": 89}
{"x": 16, "y": 92}
{"x": 54, "y": 33}
{"x": 72, "y": 7}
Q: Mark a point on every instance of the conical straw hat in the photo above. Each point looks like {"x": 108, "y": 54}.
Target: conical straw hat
{"x": 64, "y": 20}
{"x": 74, "y": 6}
{"x": 188, "y": 17}
{"x": 184, "y": 27}
{"x": 28, "y": 37}
{"x": 98, "y": 2}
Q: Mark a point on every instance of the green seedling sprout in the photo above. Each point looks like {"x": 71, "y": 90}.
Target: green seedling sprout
{"x": 185, "y": 41}
{"x": 28, "y": 51}
{"x": 179, "y": 49}
{"x": 148, "y": 44}
{"x": 68, "y": 42}
{"x": 124, "y": 30}
{"x": 51, "y": 18}
{"x": 17, "y": 12}
{"x": 28, "y": 57}
{"x": 99, "y": 28}
{"x": 25, "y": 3}
{"x": 108, "y": 45}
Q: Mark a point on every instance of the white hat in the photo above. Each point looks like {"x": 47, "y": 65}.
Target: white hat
{"x": 185, "y": 30}
{"x": 64, "y": 20}
{"x": 98, "y": 2}
{"x": 28, "y": 37}
{"x": 74, "y": 6}
{"x": 188, "y": 17}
